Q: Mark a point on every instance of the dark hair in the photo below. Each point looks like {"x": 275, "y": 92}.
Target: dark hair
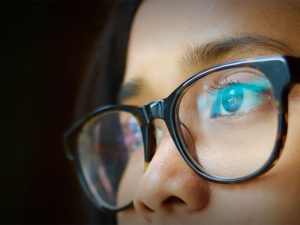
{"x": 106, "y": 71}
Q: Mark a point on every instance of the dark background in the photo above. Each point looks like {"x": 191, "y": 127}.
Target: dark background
{"x": 45, "y": 48}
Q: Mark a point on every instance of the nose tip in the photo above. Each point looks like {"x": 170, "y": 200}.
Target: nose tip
{"x": 169, "y": 186}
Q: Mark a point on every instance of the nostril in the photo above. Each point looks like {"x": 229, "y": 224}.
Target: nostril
{"x": 173, "y": 200}
{"x": 146, "y": 208}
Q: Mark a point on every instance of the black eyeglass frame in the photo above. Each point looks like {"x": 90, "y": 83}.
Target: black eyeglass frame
{"x": 280, "y": 70}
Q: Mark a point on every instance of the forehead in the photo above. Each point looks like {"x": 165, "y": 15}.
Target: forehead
{"x": 162, "y": 30}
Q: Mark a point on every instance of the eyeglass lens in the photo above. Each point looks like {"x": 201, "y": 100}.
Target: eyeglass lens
{"x": 231, "y": 116}
{"x": 111, "y": 157}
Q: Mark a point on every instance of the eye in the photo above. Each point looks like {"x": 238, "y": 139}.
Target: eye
{"x": 236, "y": 99}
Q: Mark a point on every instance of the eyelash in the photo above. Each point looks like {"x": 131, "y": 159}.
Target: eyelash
{"x": 218, "y": 85}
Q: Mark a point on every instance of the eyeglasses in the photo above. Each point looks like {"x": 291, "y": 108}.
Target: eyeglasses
{"x": 228, "y": 122}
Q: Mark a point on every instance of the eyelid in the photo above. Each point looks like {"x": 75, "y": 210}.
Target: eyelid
{"x": 233, "y": 76}
{"x": 238, "y": 72}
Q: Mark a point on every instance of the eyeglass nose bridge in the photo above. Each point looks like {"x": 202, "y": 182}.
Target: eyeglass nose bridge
{"x": 155, "y": 110}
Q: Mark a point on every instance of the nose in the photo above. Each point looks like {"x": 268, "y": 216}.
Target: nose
{"x": 169, "y": 187}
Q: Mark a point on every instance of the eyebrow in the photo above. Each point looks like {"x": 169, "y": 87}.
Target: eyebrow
{"x": 130, "y": 89}
{"x": 212, "y": 51}
{"x": 208, "y": 53}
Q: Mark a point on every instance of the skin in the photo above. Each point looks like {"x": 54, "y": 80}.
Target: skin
{"x": 169, "y": 192}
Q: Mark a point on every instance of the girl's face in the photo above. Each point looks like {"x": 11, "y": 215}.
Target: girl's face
{"x": 162, "y": 35}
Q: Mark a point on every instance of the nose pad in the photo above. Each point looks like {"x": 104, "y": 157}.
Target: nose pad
{"x": 189, "y": 141}
{"x": 156, "y": 130}
{"x": 153, "y": 134}
{"x": 160, "y": 130}
{"x": 149, "y": 141}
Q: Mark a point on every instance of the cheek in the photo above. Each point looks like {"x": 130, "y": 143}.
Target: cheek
{"x": 290, "y": 159}
{"x": 294, "y": 98}
{"x": 271, "y": 198}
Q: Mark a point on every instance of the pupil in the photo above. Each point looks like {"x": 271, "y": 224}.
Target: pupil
{"x": 232, "y": 98}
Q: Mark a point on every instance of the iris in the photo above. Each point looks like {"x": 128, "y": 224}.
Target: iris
{"x": 232, "y": 98}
